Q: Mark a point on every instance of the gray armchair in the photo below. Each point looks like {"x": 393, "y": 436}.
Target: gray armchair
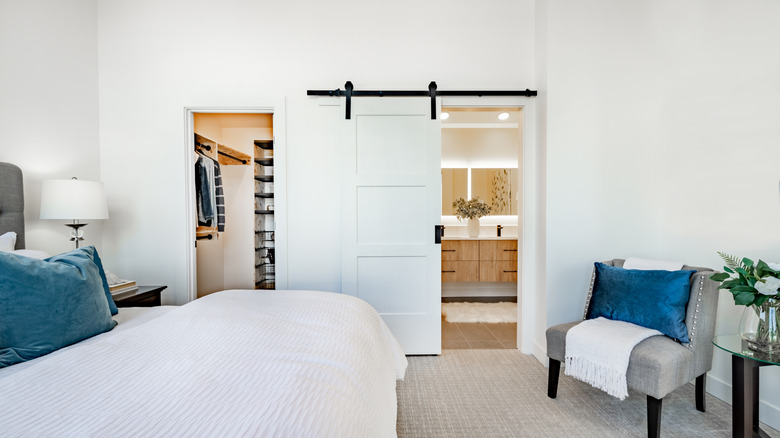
{"x": 658, "y": 365}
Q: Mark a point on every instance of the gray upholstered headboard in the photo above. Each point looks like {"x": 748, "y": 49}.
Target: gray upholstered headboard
{"x": 12, "y": 202}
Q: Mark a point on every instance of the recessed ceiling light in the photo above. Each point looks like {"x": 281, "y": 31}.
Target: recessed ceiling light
{"x": 503, "y": 116}
{"x": 445, "y": 116}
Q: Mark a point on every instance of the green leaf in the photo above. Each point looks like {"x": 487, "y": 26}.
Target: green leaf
{"x": 719, "y": 276}
{"x": 768, "y": 269}
{"x": 728, "y": 284}
{"x": 744, "y": 288}
{"x": 741, "y": 271}
{"x": 760, "y": 299}
{"x": 727, "y": 269}
{"x": 743, "y": 299}
{"x": 731, "y": 261}
{"x": 763, "y": 270}
{"x": 747, "y": 262}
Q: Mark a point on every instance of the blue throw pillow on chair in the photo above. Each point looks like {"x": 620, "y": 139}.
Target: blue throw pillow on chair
{"x": 49, "y": 304}
{"x": 649, "y": 298}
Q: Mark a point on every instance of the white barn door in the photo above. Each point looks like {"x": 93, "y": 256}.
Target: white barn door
{"x": 391, "y": 196}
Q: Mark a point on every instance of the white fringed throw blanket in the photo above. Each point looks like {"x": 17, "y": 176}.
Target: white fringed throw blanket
{"x": 603, "y": 364}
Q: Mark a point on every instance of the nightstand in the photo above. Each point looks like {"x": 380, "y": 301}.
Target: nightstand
{"x": 145, "y": 296}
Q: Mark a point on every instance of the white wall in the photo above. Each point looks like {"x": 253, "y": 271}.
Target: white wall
{"x": 662, "y": 142}
{"x": 49, "y": 105}
{"x": 481, "y": 147}
{"x": 238, "y": 52}
{"x": 240, "y": 208}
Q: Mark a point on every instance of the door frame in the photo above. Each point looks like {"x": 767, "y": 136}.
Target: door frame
{"x": 531, "y": 267}
{"x": 275, "y": 106}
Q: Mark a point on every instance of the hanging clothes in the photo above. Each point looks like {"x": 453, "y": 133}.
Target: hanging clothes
{"x": 219, "y": 196}
{"x": 205, "y": 191}
{"x": 209, "y": 193}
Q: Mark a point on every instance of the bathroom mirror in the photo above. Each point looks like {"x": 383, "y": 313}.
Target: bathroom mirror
{"x": 454, "y": 185}
{"x": 497, "y": 187}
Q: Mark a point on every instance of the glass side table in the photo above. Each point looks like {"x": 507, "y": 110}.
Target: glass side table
{"x": 744, "y": 381}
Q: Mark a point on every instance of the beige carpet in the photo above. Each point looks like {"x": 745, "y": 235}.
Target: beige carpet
{"x": 503, "y": 393}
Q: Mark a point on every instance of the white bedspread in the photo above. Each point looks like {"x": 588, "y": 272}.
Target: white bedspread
{"x": 235, "y": 363}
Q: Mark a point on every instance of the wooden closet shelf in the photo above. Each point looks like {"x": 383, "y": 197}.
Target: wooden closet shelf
{"x": 229, "y": 156}
{"x": 265, "y": 178}
{"x": 264, "y": 144}
{"x": 264, "y": 161}
{"x": 203, "y": 231}
{"x": 224, "y": 154}
{"x": 264, "y": 195}
{"x": 264, "y": 212}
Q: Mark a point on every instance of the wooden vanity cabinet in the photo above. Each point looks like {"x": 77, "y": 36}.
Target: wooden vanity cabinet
{"x": 479, "y": 260}
{"x": 459, "y": 260}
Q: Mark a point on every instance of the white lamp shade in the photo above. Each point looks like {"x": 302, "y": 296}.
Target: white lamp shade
{"x": 73, "y": 199}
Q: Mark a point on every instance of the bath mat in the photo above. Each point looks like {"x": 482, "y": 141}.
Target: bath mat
{"x": 479, "y": 312}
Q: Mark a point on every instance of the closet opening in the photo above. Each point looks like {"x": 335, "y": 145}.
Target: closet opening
{"x": 482, "y": 150}
{"x": 234, "y": 200}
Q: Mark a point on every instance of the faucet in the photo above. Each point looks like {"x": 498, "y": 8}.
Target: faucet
{"x": 498, "y": 230}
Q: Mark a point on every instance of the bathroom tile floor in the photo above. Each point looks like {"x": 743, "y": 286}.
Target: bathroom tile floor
{"x": 478, "y": 335}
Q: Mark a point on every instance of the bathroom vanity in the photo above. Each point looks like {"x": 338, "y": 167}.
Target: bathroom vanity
{"x": 482, "y": 259}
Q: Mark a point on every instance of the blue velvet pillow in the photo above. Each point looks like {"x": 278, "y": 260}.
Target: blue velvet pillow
{"x": 49, "y": 304}
{"x": 103, "y": 280}
{"x": 649, "y": 298}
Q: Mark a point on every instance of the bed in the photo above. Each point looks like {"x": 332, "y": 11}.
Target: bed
{"x": 234, "y": 363}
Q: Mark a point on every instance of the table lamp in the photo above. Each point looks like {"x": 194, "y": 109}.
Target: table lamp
{"x": 75, "y": 200}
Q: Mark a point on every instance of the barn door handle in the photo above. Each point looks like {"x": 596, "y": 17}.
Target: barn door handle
{"x": 438, "y": 230}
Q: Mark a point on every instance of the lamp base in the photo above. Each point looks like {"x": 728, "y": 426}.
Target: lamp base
{"x": 76, "y": 233}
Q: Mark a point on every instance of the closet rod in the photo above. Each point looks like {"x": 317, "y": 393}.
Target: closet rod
{"x": 208, "y": 148}
{"x": 349, "y": 92}
{"x": 230, "y": 156}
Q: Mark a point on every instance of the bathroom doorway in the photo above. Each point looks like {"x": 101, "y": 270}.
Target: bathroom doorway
{"x": 482, "y": 149}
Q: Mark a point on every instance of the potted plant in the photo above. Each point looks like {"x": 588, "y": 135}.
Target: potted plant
{"x": 472, "y": 210}
{"x": 756, "y": 286}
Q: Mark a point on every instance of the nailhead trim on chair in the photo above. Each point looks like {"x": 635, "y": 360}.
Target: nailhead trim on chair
{"x": 696, "y": 312}
{"x": 590, "y": 294}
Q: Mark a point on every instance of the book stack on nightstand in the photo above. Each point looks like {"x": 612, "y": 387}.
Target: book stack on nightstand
{"x": 122, "y": 287}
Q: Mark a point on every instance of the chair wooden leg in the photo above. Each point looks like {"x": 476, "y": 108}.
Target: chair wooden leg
{"x": 701, "y": 391}
{"x": 653, "y": 417}
{"x": 552, "y": 378}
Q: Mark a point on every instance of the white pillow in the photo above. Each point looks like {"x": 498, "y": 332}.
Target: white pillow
{"x": 8, "y": 241}
{"x": 647, "y": 264}
{"x": 31, "y": 253}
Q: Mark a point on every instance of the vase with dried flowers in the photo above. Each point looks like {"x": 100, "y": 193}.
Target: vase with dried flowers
{"x": 472, "y": 210}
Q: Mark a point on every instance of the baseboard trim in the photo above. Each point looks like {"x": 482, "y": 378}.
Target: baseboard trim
{"x": 769, "y": 414}
{"x": 540, "y": 353}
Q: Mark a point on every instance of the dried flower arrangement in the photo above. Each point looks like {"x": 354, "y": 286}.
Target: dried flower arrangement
{"x": 471, "y": 209}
